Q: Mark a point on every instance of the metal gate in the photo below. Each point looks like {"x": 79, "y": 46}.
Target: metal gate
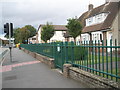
{"x": 59, "y": 55}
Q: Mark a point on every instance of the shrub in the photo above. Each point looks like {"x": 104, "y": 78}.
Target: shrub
{"x": 79, "y": 53}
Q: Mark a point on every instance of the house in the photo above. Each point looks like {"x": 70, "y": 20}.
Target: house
{"x": 5, "y": 41}
{"x": 59, "y": 32}
{"x": 101, "y": 23}
{"x": 32, "y": 40}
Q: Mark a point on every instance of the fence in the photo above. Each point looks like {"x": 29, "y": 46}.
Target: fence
{"x": 96, "y": 58}
{"x": 43, "y": 48}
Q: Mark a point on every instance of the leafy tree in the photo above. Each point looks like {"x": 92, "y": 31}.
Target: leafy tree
{"x": 31, "y": 29}
{"x": 25, "y": 33}
{"x": 47, "y": 32}
{"x": 74, "y": 28}
{"x": 21, "y": 35}
{"x": 17, "y": 35}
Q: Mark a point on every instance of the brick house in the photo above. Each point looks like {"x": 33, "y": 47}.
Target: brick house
{"x": 101, "y": 23}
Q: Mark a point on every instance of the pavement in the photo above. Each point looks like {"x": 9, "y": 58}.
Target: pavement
{"x": 2, "y": 52}
{"x": 26, "y": 72}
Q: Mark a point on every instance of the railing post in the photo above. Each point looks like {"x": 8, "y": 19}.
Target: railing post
{"x": 116, "y": 61}
{"x": 55, "y": 54}
{"x": 92, "y": 56}
{"x": 87, "y": 53}
{"x": 66, "y": 52}
{"x": 62, "y": 53}
{"x": 111, "y": 58}
{"x": 96, "y": 51}
{"x": 99, "y": 57}
{"x": 106, "y": 58}
{"x": 72, "y": 52}
{"x": 103, "y": 56}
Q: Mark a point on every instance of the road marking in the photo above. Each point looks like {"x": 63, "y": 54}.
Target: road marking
{"x": 9, "y": 67}
{"x": 6, "y": 68}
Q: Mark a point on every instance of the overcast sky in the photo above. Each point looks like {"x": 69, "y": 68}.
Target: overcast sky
{"x": 36, "y": 12}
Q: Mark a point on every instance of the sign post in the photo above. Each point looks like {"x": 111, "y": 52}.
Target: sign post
{"x": 10, "y": 46}
{"x": 8, "y": 29}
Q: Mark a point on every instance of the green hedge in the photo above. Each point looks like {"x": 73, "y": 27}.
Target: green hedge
{"x": 79, "y": 53}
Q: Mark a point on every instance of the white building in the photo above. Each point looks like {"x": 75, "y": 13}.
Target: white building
{"x": 5, "y": 41}
{"x": 59, "y": 32}
{"x": 32, "y": 40}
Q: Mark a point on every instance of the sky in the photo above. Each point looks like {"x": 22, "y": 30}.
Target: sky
{"x": 36, "y": 12}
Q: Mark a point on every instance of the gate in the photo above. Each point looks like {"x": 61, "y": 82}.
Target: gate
{"x": 59, "y": 55}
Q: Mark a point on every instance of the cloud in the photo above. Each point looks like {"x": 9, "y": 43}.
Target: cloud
{"x": 35, "y": 12}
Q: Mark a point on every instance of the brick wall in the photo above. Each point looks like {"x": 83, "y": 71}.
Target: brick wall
{"x": 89, "y": 79}
{"x": 43, "y": 59}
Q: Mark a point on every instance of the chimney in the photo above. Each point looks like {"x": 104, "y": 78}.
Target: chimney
{"x": 106, "y": 1}
{"x": 90, "y": 7}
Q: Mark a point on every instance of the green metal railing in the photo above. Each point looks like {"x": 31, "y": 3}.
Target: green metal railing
{"x": 95, "y": 57}
{"x": 43, "y": 48}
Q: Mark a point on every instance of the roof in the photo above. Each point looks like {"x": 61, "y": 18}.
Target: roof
{"x": 32, "y": 37}
{"x": 57, "y": 27}
{"x": 3, "y": 38}
{"x": 111, "y": 7}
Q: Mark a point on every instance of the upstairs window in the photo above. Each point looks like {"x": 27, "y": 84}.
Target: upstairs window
{"x": 99, "y": 18}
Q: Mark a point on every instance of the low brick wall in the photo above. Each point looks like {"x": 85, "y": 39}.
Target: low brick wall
{"x": 26, "y": 51}
{"x": 44, "y": 59}
{"x": 22, "y": 49}
{"x": 32, "y": 54}
{"x": 91, "y": 80}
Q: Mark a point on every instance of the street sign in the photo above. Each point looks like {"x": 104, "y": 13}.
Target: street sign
{"x": 58, "y": 47}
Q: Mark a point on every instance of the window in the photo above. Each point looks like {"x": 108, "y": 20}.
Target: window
{"x": 33, "y": 38}
{"x": 98, "y": 18}
{"x": 90, "y": 21}
{"x": 101, "y": 37}
{"x": 97, "y": 36}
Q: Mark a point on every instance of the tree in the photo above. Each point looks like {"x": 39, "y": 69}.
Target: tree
{"x": 74, "y": 28}
{"x": 31, "y": 29}
{"x": 25, "y": 33}
{"x": 47, "y": 32}
{"x": 21, "y": 35}
{"x": 17, "y": 35}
